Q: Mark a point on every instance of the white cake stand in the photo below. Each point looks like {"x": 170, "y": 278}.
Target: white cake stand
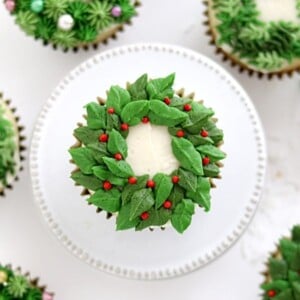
{"x": 159, "y": 254}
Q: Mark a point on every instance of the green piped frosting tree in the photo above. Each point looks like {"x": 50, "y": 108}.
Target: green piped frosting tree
{"x": 283, "y": 275}
{"x": 140, "y": 201}
{"x": 14, "y": 286}
{"x": 69, "y": 23}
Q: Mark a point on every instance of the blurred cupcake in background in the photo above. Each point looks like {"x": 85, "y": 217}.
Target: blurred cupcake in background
{"x": 10, "y": 145}
{"x": 14, "y": 285}
{"x": 72, "y": 24}
{"x": 282, "y": 278}
{"x": 259, "y": 36}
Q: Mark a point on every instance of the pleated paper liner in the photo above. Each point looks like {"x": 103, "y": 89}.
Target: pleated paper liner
{"x": 34, "y": 281}
{"x": 21, "y": 147}
{"x": 103, "y": 37}
{"x": 234, "y": 61}
{"x": 87, "y": 193}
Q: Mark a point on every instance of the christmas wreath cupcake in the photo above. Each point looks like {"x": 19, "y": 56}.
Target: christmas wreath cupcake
{"x": 72, "y": 23}
{"x": 259, "y": 36}
{"x": 138, "y": 198}
{"x": 10, "y": 145}
{"x": 282, "y": 279}
{"x": 16, "y": 286}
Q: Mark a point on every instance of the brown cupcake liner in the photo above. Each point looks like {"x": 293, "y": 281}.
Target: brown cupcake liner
{"x": 234, "y": 62}
{"x": 34, "y": 281}
{"x": 103, "y": 38}
{"x": 22, "y": 148}
{"x": 86, "y": 192}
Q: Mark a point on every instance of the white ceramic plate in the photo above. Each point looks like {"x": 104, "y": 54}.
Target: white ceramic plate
{"x": 158, "y": 254}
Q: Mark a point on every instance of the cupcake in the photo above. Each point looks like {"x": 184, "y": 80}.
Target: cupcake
{"x": 16, "y": 286}
{"x": 72, "y": 23}
{"x": 282, "y": 278}
{"x": 165, "y": 181}
{"x": 258, "y": 36}
{"x": 10, "y": 146}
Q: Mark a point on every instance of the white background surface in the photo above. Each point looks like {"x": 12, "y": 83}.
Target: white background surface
{"x": 28, "y": 74}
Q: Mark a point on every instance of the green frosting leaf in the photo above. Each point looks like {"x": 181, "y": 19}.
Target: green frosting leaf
{"x": 278, "y": 268}
{"x": 296, "y": 234}
{"x": 117, "y": 144}
{"x": 177, "y": 195}
{"x": 214, "y": 153}
{"x": 202, "y": 194}
{"x": 156, "y": 218}
{"x": 162, "y": 114}
{"x": 113, "y": 122}
{"x": 137, "y": 90}
{"x": 108, "y": 200}
{"x": 105, "y": 175}
{"x": 188, "y": 180}
{"x": 87, "y": 135}
{"x": 187, "y": 155}
{"x": 117, "y": 98}
{"x": 141, "y": 201}
{"x": 133, "y": 112}
{"x": 96, "y": 116}
{"x": 84, "y": 159}
{"x": 211, "y": 170}
{"x": 118, "y": 168}
{"x": 123, "y": 221}
{"x": 197, "y": 118}
{"x": 161, "y": 87}
{"x": 182, "y": 216}
{"x": 88, "y": 181}
{"x": 98, "y": 151}
{"x": 163, "y": 188}
{"x": 130, "y": 189}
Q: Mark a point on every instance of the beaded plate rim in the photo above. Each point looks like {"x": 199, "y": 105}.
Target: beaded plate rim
{"x": 194, "y": 264}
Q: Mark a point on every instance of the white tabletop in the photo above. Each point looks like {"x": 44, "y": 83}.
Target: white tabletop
{"x": 28, "y": 74}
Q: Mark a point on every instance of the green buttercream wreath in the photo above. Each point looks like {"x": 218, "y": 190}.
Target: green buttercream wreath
{"x": 283, "y": 276}
{"x": 17, "y": 287}
{"x": 7, "y": 148}
{"x": 69, "y": 23}
{"x": 267, "y": 46}
{"x": 139, "y": 201}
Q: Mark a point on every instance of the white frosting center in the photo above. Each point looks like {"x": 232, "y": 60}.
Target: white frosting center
{"x": 278, "y": 10}
{"x": 149, "y": 150}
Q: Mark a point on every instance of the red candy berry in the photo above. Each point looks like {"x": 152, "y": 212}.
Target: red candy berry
{"x": 175, "y": 179}
{"x": 124, "y": 127}
{"x": 180, "y": 133}
{"x": 150, "y": 184}
{"x": 107, "y": 185}
{"x": 167, "y": 204}
{"x": 132, "y": 180}
{"x": 187, "y": 107}
{"x": 205, "y": 161}
{"x": 167, "y": 101}
{"x": 111, "y": 110}
{"x": 118, "y": 156}
{"x": 144, "y": 216}
{"x": 272, "y": 293}
{"x": 204, "y": 133}
{"x": 103, "y": 138}
{"x": 145, "y": 120}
